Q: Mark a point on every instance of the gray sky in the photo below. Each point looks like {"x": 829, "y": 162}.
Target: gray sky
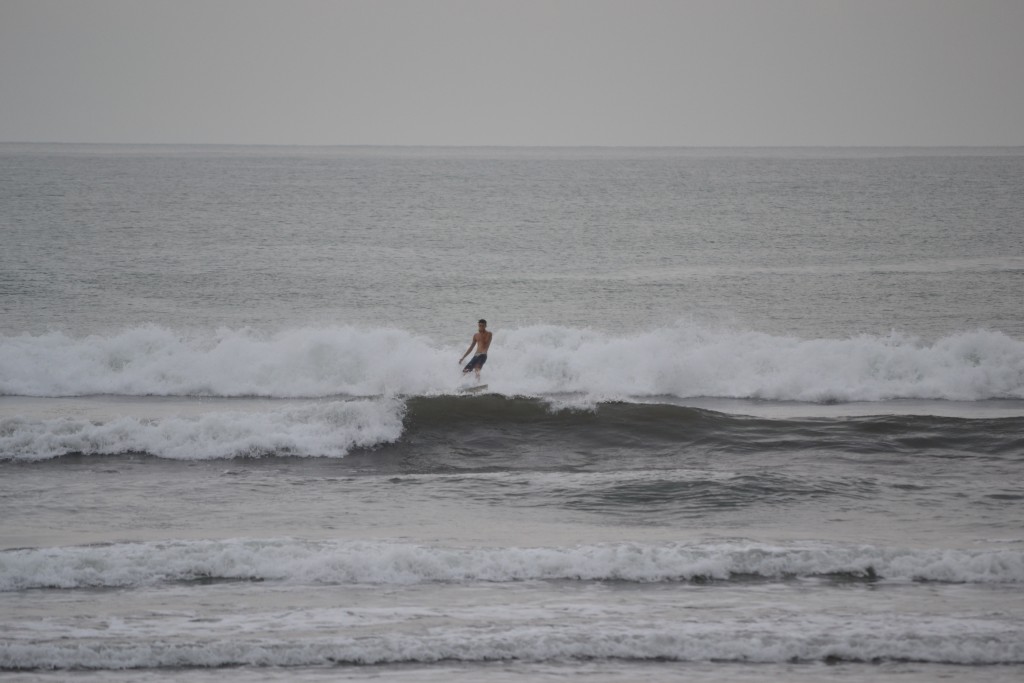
{"x": 514, "y": 72}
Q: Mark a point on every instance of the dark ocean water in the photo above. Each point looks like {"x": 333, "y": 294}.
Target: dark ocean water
{"x": 749, "y": 413}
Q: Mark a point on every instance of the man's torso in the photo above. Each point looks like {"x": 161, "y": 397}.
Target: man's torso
{"x": 483, "y": 341}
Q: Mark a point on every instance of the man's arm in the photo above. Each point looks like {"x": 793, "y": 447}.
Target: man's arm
{"x": 472, "y": 344}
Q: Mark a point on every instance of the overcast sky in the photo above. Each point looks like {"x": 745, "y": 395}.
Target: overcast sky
{"x": 514, "y": 72}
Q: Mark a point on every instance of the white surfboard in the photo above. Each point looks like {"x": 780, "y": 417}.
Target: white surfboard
{"x": 473, "y": 390}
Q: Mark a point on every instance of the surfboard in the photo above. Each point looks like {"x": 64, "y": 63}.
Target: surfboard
{"x": 473, "y": 390}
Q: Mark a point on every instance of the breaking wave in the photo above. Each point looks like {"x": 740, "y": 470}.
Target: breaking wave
{"x": 233, "y": 428}
{"x": 681, "y": 361}
{"x": 330, "y": 429}
{"x": 968, "y": 641}
{"x": 384, "y": 562}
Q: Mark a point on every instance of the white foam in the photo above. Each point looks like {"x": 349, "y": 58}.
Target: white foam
{"x": 328, "y": 428}
{"x": 685, "y": 360}
{"x": 690, "y": 361}
{"x": 379, "y": 562}
{"x": 560, "y": 637}
{"x": 157, "y": 361}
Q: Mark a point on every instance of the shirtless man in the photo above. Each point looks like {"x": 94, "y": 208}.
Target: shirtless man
{"x": 482, "y": 342}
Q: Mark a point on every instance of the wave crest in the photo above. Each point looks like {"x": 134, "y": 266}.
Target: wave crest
{"x": 683, "y": 361}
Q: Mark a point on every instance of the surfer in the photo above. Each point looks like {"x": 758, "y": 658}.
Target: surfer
{"x": 482, "y": 342}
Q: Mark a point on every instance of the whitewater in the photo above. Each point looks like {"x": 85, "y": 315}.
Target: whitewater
{"x": 683, "y": 361}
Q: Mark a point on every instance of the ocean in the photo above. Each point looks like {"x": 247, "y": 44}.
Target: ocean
{"x": 750, "y": 414}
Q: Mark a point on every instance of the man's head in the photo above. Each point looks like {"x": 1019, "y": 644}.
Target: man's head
{"x": 482, "y": 323}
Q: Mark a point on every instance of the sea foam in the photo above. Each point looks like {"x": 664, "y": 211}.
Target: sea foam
{"x": 965, "y": 641}
{"x": 386, "y": 562}
{"x": 684, "y": 361}
{"x": 688, "y": 361}
{"x": 330, "y": 428}
{"x": 157, "y": 361}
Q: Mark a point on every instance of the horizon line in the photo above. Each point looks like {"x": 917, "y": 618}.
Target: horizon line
{"x": 516, "y": 146}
